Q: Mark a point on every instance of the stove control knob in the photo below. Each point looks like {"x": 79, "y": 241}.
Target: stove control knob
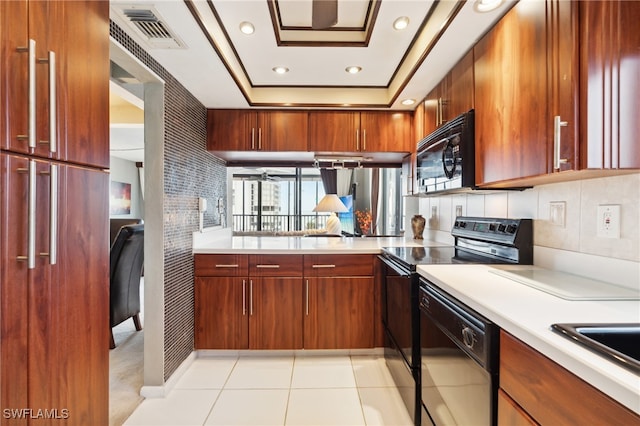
{"x": 463, "y": 224}
{"x": 501, "y": 227}
{"x": 511, "y": 229}
{"x": 492, "y": 227}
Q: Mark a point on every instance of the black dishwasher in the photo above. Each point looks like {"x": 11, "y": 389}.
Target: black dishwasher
{"x": 476, "y": 240}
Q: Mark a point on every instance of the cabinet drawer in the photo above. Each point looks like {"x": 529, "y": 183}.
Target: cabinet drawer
{"x": 547, "y": 392}
{"x": 221, "y": 265}
{"x": 331, "y": 265}
{"x": 275, "y": 265}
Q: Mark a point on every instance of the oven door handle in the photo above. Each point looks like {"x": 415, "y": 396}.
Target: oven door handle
{"x": 396, "y": 268}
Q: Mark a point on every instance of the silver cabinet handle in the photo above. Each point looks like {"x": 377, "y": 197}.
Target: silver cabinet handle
{"x": 259, "y": 138}
{"x": 31, "y": 219}
{"x": 557, "y": 125}
{"x": 31, "y": 96}
{"x": 52, "y": 104}
{"x": 250, "y": 297}
{"x": 364, "y": 139}
{"x": 267, "y": 266}
{"x": 53, "y": 215}
{"x": 306, "y": 291}
{"x": 244, "y": 297}
{"x": 323, "y": 266}
{"x": 253, "y": 138}
{"x": 226, "y": 266}
{"x": 357, "y": 140}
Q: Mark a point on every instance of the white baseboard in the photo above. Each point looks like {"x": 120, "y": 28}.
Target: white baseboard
{"x": 163, "y": 390}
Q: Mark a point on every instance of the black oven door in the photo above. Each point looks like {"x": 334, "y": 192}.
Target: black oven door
{"x": 400, "y": 297}
{"x": 400, "y": 317}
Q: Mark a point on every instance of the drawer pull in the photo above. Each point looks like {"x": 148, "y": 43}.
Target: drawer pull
{"x": 268, "y": 266}
{"x": 227, "y": 266}
{"x": 323, "y": 266}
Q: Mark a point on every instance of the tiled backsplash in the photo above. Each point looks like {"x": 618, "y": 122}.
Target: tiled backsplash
{"x": 581, "y": 200}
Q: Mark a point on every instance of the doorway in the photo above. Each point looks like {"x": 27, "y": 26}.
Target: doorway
{"x": 150, "y": 88}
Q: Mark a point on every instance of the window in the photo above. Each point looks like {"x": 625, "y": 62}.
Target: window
{"x": 283, "y": 199}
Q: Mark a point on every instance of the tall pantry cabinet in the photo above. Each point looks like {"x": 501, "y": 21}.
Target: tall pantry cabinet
{"x": 54, "y": 247}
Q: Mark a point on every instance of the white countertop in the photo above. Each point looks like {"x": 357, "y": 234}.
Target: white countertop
{"x": 304, "y": 245}
{"x": 528, "y": 313}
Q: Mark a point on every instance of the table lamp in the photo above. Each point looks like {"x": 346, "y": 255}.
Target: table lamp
{"x": 331, "y": 203}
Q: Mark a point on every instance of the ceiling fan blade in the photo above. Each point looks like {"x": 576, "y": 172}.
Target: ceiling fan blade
{"x": 324, "y": 14}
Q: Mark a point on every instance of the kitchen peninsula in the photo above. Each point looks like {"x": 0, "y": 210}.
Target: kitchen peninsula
{"x": 298, "y": 293}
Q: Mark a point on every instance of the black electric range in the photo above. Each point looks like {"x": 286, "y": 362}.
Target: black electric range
{"x": 476, "y": 240}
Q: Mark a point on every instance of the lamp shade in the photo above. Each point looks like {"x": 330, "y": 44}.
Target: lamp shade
{"x": 331, "y": 203}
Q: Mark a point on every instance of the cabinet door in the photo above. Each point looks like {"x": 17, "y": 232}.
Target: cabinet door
{"x": 510, "y": 97}
{"x": 460, "y": 93}
{"x": 510, "y": 413}
{"x": 275, "y": 313}
{"x": 79, "y": 36}
{"x": 431, "y": 111}
{"x": 20, "y": 129}
{"x": 14, "y": 306}
{"x": 221, "y": 313}
{"x": 231, "y": 130}
{"x": 610, "y": 95}
{"x": 80, "y": 296}
{"x": 339, "y": 313}
{"x": 283, "y": 130}
{"x": 334, "y": 131}
{"x": 385, "y": 131}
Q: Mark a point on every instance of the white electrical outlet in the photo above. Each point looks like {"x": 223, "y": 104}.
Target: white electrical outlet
{"x": 557, "y": 213}
{"x": 458, "y": 210}
{"x": 608, "y": 221}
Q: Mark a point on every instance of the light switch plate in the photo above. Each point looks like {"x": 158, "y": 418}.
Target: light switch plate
{"x": 608, "y": 221}
{"x": 557, "y": 213}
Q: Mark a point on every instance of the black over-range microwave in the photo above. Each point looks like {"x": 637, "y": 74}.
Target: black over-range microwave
{"x": 446, "y": 157}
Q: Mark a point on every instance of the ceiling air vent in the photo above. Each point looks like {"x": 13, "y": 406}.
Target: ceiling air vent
{"x": 149, "y": 25}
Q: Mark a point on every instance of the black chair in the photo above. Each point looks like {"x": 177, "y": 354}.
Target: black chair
{"x": 126, "y": 261}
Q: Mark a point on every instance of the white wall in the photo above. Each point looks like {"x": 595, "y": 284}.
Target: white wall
{"x": 127, "y": 172}
{"x": 581, "y": 198}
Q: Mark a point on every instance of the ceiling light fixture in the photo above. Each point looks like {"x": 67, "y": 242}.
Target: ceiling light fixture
{"x": 280, "y": 70}
{"x": 483, "y": 6}
{"x": 408, "y": 102}
{"x": 353, "y": 69}
{"x": 247, "y": 27}
{"x": 401, "y": 23}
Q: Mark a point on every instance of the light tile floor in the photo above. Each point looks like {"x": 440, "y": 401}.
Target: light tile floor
{"x": 308, "y": 390}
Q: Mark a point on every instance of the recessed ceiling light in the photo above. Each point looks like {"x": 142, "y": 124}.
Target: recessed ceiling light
{"x": 353, "y": 69}
{"x": 280, "y": 70}
{"x": 401, "y": 23}
{"x": 408, "y": 102}
{"x": 486, "y": 5}
{"x": 247, "y": 27}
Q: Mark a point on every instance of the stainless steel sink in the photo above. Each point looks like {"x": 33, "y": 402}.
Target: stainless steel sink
{"x": 618, "y": 342}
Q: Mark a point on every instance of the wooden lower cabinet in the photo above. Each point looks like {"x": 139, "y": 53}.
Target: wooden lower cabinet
{"x": 221, "y": 316}
{"x": 550, "y": 394}
{"x": 339, "y": 313}
{"x": 275, "y": 313}
{"x": 242, "y": 303}
{"x": 510, "y": 413}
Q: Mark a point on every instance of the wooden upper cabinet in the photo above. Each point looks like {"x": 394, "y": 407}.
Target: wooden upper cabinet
{"x": 512, "y": 122}
{"x": 334, "y": 131}
{"x": 283, "y": 130}
{"x": 250, "y": 130}
{"x": 609, "y": 91}
{"x": 79, "y": 34}
{"x": 459, "y": 97}
{"x": 386, "y": 131}
{"x": 366, "y": 131}
{"x": 231, "y": 130}
{"x": 70, "y": 42}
